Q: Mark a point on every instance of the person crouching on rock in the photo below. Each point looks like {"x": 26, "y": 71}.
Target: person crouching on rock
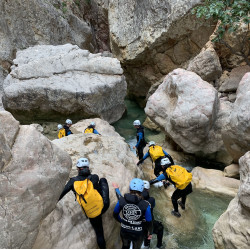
{"x": 181, "y": 179}
{"x": 91, "y": 129}
{"x": 156, "y": 153}
{"x": 67, "y": 126}
{"x": 133, "y": 211}
{"x": 92, "y": 195}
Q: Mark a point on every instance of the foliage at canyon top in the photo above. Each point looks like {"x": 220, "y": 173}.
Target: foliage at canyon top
{"x": 231, "y": 15}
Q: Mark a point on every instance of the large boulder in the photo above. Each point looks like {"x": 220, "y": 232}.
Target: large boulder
{"x": 236, "y": 133}
{"x": 151, "y": 38}
{"x": 45, "y": 22}
{"x": 33, "y": 172}
{"x": 231, "y": 83}
{"x": 50, "y": 82}
{"x": 232, "y": 230}
{"x": 110, "y": 157}
{"x": 214, "y": 181}
{"x": 189, "y": 111}
{"x": 206, "y": 64}
{"x": 232, "y": 171}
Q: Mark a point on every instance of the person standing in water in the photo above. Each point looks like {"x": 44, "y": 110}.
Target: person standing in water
{"x": 181, "y": 179}
{"x": 141, "y": 143}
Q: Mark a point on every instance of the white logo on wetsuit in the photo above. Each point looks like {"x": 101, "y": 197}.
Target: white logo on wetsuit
{"x": 131, "y": 212}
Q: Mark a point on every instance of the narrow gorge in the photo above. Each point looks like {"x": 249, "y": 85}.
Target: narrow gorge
{"x": 113, "y": 62}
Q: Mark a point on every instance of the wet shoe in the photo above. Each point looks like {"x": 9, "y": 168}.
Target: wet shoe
{"x": 181, "y": 205}
{"x": 176, "y": 214}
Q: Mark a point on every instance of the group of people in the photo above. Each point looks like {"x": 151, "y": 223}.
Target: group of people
{"x": 134, "y": 210}
{"x": 64, "y": 130}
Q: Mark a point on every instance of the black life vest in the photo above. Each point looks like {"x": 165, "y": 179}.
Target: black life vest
{"x": 133, "y": 212}
{"x": 140, "y": 130}
{"x": 150, "y": 200}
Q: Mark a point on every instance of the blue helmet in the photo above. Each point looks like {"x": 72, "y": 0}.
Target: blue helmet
{"x": 136, "y": 184}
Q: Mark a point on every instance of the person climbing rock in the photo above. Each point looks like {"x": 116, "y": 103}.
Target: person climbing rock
{"x": 157, "y": 225}
{"x": 61, "y": 131}
{"x": 133, "y": 211}
{"x": 181, "y": 179}
{"x": 93, "y": 196}
{"x": 67, "y": 126}
{"x": 91, "y": 129}
{"x": 141, "y": 143}
{"x": 156, "y": 153}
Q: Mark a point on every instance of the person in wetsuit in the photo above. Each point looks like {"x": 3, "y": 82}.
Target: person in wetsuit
{"x": 101, "y": 186}
{"x": 156, "y": 153}
{"x": 67, "y": 126}
{"x": 133, "y": 211}
{"x": 157, "y": 225}
{"x": 141, "y": 143}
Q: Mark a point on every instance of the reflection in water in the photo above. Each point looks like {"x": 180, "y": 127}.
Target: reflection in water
{"x": 205, "y": 207}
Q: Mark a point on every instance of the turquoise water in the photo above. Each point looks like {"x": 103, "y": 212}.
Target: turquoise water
{"x": 125, "y": 125}
{"x": 208, "y": 207}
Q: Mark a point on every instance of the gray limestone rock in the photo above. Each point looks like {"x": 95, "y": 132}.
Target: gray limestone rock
{"x": 207, "y": 65}
{"x": 231, "y": 83}
{"x": 232, "y": 229}
{"x": 31, "y": 180}
{"x": 236, "y": 134}
{"x": 151, "y": 38}
{"x": 189, "y": 111}
{"x": 47, "y": 82}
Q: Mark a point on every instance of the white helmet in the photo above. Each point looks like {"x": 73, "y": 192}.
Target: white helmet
{"x": 59, "y": 126}
{"x": 82, "y": 162}
{"x": 68, "y": 121}
{"x": 146, "y": 184}
{"x": 92, "y": 124}
{"x": 151, "y": 143}
{"x": 165, "y": 161}
{"x": 136, "y": 123}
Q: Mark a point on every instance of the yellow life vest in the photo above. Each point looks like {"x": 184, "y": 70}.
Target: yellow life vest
{"x": 89, "y": 198}
{"x": 155, "y": 152}
{"x": 179, "y": 175}
{"x": 89, "y": 130}
{"x": 61, "y": 133}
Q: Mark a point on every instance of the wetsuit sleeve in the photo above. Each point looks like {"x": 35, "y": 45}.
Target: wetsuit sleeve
{"x": 118, "y": 193}
{"x": 148, "y": 217}
{"x": 145, "y": 156}
{"x": 95, "y": 179}
{"x": 139, "y": 140}
{"x": 169, "y": 157}
{"x": 153, "y": 202}
{"x": 116, "y": 212}
{"x": 67, "y": 188}
{"x": 96, "y": 132}
{"x": 161, "y": 177}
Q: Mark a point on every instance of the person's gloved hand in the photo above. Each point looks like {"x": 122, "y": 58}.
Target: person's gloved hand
{"x": 166, "y": 184}
{"x": 139, "y": 162}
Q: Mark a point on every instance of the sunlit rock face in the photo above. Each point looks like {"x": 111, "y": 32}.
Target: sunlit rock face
{"x": 232, "y": 230}
{"x": 236, "y": 134}
{"x": 110, "y": 157}
{"x": 151, "y": 38}
{"x": 32, "y": 174}
{"x": 214, "y": 181}
{"x": 50, "y": 82}
{"x": 189, "y": 111}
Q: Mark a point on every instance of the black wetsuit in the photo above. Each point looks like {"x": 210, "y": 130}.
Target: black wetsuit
{"x": 141, "y": 143}
{"x": 157, "y": 225}
{"x": 102, "y": 187}
{"x": 67, "y": 130}
{"x": 134, "y": 210}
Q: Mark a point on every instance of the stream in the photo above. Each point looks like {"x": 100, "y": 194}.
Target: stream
{"x": 209, "y": 206}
